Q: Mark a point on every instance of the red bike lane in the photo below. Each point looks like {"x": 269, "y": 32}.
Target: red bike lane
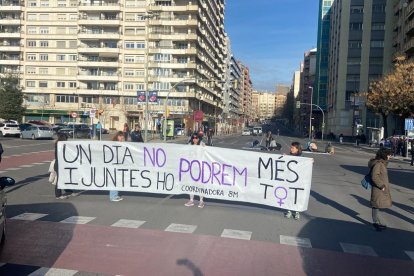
{"x": 14, "y": 161}
{"x": 125, "y": 251}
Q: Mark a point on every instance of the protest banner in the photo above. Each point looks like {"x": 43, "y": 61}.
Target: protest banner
{"x": 281, "y": 181}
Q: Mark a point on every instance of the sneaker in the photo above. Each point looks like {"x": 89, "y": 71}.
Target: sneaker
{"x": 201, "y": 204}
{"x": 189, "y": 203}
{"x": 62, "y": 197}
{"x": 118, "y": 198}
{"x": 288, "y": 214}
{"x": 296, "y": 215}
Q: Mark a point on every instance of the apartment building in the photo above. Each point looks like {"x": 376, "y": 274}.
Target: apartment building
{"x": 360, "y": 51}
{"x": 280, "y": 101}
{"x": 246, "y": 94}
{"x": 264, "y": 105}
{"x": 75, "y": 56}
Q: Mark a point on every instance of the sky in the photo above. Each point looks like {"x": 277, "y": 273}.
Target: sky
{"x": 271, "y": 36}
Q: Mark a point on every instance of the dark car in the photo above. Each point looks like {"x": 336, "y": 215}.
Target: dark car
{"x": 4, "y": 182}
{"x": 81, "y": 131}
{"x": 56, "y": 127}
{"x": 24, "y": 126}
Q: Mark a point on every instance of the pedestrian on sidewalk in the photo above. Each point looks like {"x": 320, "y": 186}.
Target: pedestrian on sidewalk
{"x": 380, "y": 192}
{"x": 412, "y": 152}
{"x": 195, "y": 141}
{"x": 295, "y": 150}
{"x": 136, "y": 135}
{"x": 114, "y": 195}
{"x": 98, "y": 130}
{"x": 59, "y": 193}
{"x": 210, "y": 137}
{"x": 268, "y": 139}
{"x": 341, "y": 138}
{"x": 125, "y": 131}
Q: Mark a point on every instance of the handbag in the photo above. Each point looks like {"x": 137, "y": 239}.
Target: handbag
{"x": 366, "y": 181}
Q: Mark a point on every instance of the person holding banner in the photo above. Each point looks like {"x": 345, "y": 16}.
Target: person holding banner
{"x": 295, "y": 150}
{"x": 136, "y": 135}
{"x": 195, "y": 140}
{"x": 58, "y": 192}
{"x": 125, "y": 132}
{"x": 114, "y": 195}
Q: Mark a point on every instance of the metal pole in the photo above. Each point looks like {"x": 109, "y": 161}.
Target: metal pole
{"x": 310, "y": 114}
{"x": 165, "y": 106}
{"x": 147, "y": 17}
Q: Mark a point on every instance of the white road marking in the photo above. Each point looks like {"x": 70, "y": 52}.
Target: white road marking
{"x": 127, "y": 223}
{"x": 29, "y": 216}
{"x": 236, "y": 234}
{"x": 358, "y": 249}
{"x": 181, "y": 228}
{"x": 26, "y": 166}
{"x": 295, "y": 241}
{"x": 410, "y": 254}
{"x": 38, "y": 163}
{"x": 78, "y": 220}
{"x": 13, "y": 169}
{"x": 44, "y": 271}
{"x": 2, "y": 172}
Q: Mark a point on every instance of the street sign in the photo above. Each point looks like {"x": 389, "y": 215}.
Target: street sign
{"x": 92, "y": 113}
{"x": 74, "y": 115}
{"x": 409, "y": 124}
{"x": 198, "y": 116}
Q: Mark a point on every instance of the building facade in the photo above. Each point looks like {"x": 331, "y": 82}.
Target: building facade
{"x": 360, "y": 51}
{"x": 246, "y": 87}
{"x": 264, "y": 105}
{"x": 75, "y": 56}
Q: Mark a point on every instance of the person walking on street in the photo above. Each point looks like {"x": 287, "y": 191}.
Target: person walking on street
{"x": 114, "y": 195}
{"x": 98, "y": 130}
{"x": 126, "y": 131}
{"x": 380, "y": 191}
{"x": 210, "y": 137}
{"x": 341, "y": 138}
{"x": 136, "y": 135}
{"x": 295, "y": 150}
{"x": 59, "y": 192}
{"x": 195, "y": 140}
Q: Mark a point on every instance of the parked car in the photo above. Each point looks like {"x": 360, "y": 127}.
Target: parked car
{"x": 24, "y": 126}
{"x": 56, "y": 127}
{"x": 37, "y": 132}
{"x": 4, "y": 182}
{"x": 257, "y": 130}
{"x": 81, "y": 131}
{"x": 247, "y": 132}
{"x": 179, "y": 131}
{"x": 9, "y": 129}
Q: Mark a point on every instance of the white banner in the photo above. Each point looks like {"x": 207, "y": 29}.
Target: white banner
{"x": 282, "y": 181}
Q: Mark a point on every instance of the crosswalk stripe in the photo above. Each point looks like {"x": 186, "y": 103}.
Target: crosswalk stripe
{"x": 295, "y": 241}
{"x": 127, "y": 223}
{"x": 26, "y": 166}
{"x": 44, "y": 271}
{"x": 29, "y": 216}
{"x": 358, "y": 249}
{"x": 410, "y": 254}
{"x": 236, "y": 234}
{"x": 181, "y": 228}
{"x": 38, "y": 163}
{"x": 13, "y": 169}
{"x": 78, "y": 220}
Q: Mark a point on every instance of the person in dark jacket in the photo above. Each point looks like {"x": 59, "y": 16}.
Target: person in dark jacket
{"x": 412, "y": 152}
{"x": 1, "y": 151}
{"x": 380, "y": 192}
{"x": 295, "y": 150}
{"x": 136, "y": 135}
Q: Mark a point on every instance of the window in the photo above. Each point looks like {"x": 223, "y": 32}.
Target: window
{"x": 43, "y": 84}
{"x": 44, "y": 57}
{"x": 31, "y": 30}
{"x": 128, "y": 73}
{"x": 44, "y": 30}
{"x": 72, "y": 84}
{"x": 32, "y": 3}
{"x": 355, "y": 26}
{"x": 378, "y": 8}
{"x": 357, "y": 9}
{"x": 161, "y": 85}
{"x": 130, "y": 100}
{"x": 355, "y": 44}
{"x": 378, "y": 26}
{"x": 31, "y": 70}
{"x": 31, "y": 43}
{"x": 128, "y": 86}
{"x": 140, "y": 59}
{"x": 140, "y": 86}
{"x": 60, "y": 57}
{"x": 44, "y": 43}
{"x": 61, "y": 3}
{"x": 140, "y": 73}
{"x": 30, "y": 83}
{"x": 110, "y": 100}
{"x": 44, "y": 3}
{"x": 43, "y": 71}
{"x": 129, "y": 59}
{"x": 60, "y": 84}
{"x": 73, "y": 17}
{"x": 377, "y": 44}
{"x": 31, "y": 56}
{"x": 129, "y": 45}
{"x": 73, "y": 57}
{"x": 66, "y": 98}
{"x": 162, "y": 57}
{"x": 140, "y": 45}
{"x": 90, "y": 99}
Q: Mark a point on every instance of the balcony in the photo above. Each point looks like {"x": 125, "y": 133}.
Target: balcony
{"x": 173, "y": 50}
{"x": 174, "y": 21}
{"x": 98, "y": 76}
{"x": 99, "y": 21}
{"x": 409, "y": 46}
{"x": 11, "y": 5}
{"x": 7, "y": 47}
{"x": 184, "y": 8}
{"x": 99, "y": 6}
{"x": 173, "y": 65}
{"x": 107, "y": 51}
{"x": 97, "y": 63}
{"x": 409, "y": 29}
{"x": 173, "y": 36}
{"x": 98, "y": 34}
{"x": 10, "y": 60}
{"x": 9, "y": 21}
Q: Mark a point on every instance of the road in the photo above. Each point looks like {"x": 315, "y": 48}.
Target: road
{"x": 147, "y": 234}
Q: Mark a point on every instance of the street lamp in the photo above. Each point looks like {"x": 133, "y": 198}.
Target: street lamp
{"x": 166, "y": 101}
{"x": 310, "y": 114}
{"x": 323, "y": 114}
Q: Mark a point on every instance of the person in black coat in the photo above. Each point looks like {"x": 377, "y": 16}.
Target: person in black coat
{"x": 1, "y": 151}
{"x": 136, "y": 135}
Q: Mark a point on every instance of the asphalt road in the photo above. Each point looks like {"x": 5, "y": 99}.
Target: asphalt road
{"x": 338, "y": 219}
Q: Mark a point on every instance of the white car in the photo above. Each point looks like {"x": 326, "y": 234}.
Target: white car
{"x": 9, "y": 129}
{"x": 247, "y": 132}
{"x": 37, "y": 132}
